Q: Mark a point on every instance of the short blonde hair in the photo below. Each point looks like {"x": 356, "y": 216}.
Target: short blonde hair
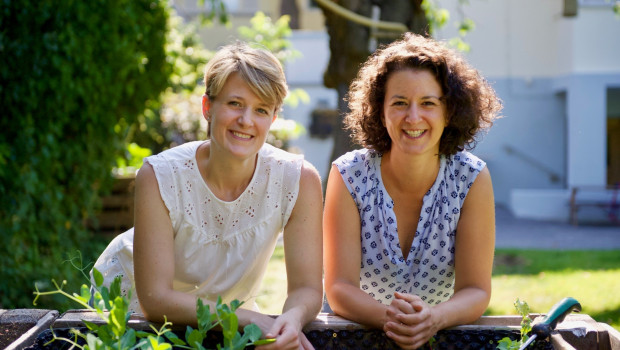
{"x": 257, "y": 67}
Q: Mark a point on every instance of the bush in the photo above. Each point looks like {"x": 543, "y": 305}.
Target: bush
{"x": 73, "y": 73}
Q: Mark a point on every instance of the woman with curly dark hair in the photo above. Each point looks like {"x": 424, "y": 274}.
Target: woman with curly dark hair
{"x": 409, "y": 220}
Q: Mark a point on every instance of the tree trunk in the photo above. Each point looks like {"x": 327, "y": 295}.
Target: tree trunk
{"x": 349, "y": 48}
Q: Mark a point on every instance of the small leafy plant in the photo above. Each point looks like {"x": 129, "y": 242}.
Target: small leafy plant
{"x": 526, "y": 326}
{"x": 113, "y": 309}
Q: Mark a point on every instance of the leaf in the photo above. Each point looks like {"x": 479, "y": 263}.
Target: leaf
{"x": 98, "y": 277}
{"x": 174, "y": 339}
{"x": 84, "y": 294}
{"x": 128, "y": 340}
{"x": 507, "y": 344}
{"x": 229, "y": 326}
{"x": 105, "y": 297}
{"x": 142, "y": 334}
{"x": 253, "y": 331}
{"x": 194, "y": 339}
{"x": 235, "y": 304}
{"x": 155, "y": 345}
{"x": 115, "y": 288}
{"x": 204, "y": 316}
{"x": 91, "y": 326}
{"x": 93, "y": 342}
{"x": 118, "y": 316}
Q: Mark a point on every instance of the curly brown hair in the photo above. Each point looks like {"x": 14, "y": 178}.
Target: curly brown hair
{"x": 471, "y": 102}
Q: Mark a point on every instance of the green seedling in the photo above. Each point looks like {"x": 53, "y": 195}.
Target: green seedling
{"x": 113, "y": 309}
{"x": 526, "y": 326}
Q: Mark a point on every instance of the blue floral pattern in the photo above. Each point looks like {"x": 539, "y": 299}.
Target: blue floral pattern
{"x": 428, "y": 270}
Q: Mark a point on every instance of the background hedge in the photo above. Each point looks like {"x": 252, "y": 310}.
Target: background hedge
{"x": 72, "y": 74}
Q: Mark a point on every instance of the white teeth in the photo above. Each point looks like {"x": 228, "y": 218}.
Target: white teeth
{"x": 243, "y": 136}
{"x": 414, "y": 133}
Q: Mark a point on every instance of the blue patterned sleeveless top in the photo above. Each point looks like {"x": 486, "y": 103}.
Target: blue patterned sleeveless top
{"x": 428, "y": 270}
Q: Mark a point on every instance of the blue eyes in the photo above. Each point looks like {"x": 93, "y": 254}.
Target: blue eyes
{"x": 238, "y": 104}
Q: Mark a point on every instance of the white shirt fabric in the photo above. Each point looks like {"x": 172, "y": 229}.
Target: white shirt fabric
{"x": 428, "y": 270}
{"x": 220, "y": 248}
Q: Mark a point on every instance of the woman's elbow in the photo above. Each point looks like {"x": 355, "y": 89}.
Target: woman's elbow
{"x": 152, "y": 306}
{"x": 335, "y": 294}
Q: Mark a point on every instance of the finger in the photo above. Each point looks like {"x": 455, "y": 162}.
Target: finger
{"x": 404, "y": 342}
{"x": 276, "y": 329}
{"x": 411, "y": 319}
{"x": 406, "y": 296}
{"x": 305, "y": 343}
{"x": 402, "y": 306}
{"x": 399, "y": 328}
{"x": 287, "y": 339}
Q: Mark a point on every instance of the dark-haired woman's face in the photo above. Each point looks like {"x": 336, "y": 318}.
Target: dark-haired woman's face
{"x": 413, "y": 112}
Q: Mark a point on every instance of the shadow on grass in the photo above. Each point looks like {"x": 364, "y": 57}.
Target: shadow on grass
{"x": 533, "y": 262}
{"x": 609, "y": 316}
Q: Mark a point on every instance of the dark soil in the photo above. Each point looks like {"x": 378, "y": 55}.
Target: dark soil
{"x": 9, "y": 332}
{"x": 336, "y": 340}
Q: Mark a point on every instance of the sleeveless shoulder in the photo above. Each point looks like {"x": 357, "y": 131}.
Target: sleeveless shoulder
{"x": 462, "y": 168}
{"x": 359, "y": 169}
{"x": 173, "y": 168}
{"x": 283, "y": 171}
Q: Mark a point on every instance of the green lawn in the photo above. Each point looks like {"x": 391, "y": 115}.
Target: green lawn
{"x": 541, "y": 278}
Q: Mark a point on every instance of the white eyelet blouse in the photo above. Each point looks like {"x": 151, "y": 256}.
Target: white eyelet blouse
{"x": 220, "y": 248}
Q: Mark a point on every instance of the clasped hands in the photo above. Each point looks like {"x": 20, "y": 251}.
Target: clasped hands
{"x": 409, "y": 321}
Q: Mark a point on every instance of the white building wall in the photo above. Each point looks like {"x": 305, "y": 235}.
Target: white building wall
{"x": 552, "y": 73}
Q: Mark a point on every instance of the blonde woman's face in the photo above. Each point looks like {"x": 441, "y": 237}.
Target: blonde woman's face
{"x": 240, "y": 120}
{"x": 413, "y": 112}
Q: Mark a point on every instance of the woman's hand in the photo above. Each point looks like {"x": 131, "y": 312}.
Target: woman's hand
{"x": 287, "y": 332}
{"x": 410, "y": 321}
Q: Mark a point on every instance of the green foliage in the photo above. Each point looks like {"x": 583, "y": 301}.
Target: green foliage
{"x": 526, "y": 326}
{"x": 133, "y": 159}
{"x": 215, "y": 9}
{"x": 438, "y": 17}
{"x": 114, "y": 333}
{"x": 179, "y": 118}
{"x": 71, "y": 71}
{"x": 271, "y": 36}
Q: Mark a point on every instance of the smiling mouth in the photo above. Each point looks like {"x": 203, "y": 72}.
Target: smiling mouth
{"x": 241, "y": 136}
{"x": 415, "y": 133}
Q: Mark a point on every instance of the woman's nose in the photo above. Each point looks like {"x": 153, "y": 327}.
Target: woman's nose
{"x": 413, "y": 114}
{"x": 245, "y": 119}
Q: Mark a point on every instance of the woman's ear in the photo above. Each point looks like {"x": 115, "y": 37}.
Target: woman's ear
{"x": 206, "y": 107}
{"x": 275, "y": 116}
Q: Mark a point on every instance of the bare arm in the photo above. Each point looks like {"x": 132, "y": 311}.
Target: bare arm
{"x": 303, "y": 248}
{"x": 475, "y": 246}
{"x": 302, "y": 252}
{"x": 342, "y": 245}
{"x": 154, "y": 260}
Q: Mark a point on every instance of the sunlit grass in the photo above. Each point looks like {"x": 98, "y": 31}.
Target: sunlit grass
{"x": 541, "y": 278}
{"x": 273, "y": 291}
